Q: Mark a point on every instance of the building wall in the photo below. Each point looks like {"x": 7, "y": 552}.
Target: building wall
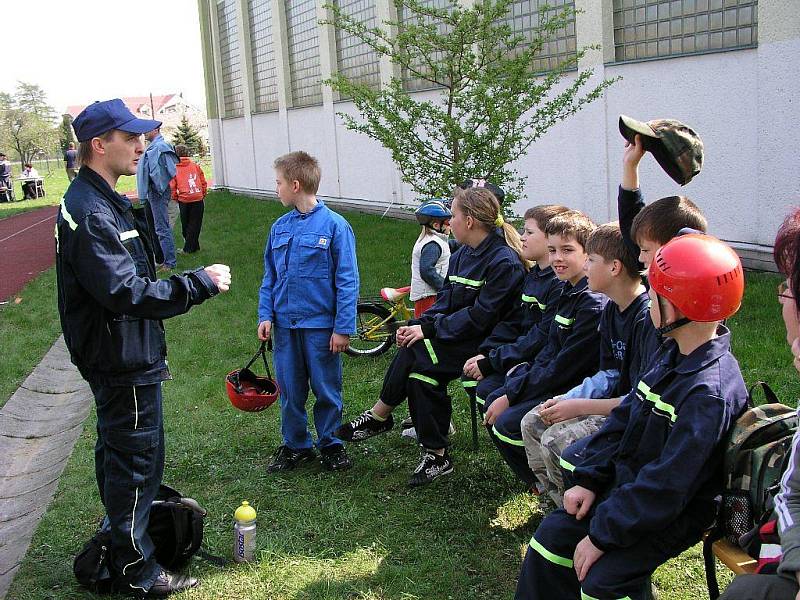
{"x": 742, "y": 102}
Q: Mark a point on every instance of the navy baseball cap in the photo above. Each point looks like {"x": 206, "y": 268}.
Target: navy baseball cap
{"x": 100, "y": 117}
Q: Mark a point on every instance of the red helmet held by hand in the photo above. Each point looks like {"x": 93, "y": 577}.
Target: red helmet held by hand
{"x": 700, "y": 275}
{"x": 250, "y": 392}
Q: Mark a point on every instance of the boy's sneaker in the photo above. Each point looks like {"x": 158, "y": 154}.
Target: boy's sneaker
{"x": 410, "y": 431}
{"x": 363, "y": 427}
{"x": 334, "y": 458}
{"x": 406, "y": 423}
{"x": 286, "y": 459}
{"x": 431, "y": 467}
{"x": 166, "y": 583}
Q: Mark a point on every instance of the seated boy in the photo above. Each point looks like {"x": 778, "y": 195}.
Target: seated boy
{"x": 519, "y": 338}
{"x": 647, "y": 491}
{"x": 560, "y": 421}
{"x": 572, "y": 350}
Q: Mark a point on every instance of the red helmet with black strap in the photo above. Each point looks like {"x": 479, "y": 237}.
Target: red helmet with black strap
{"x": 250, "y": 392}
{"x": 700, "y": 275}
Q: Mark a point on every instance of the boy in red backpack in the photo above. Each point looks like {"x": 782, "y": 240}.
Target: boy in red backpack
{"x": 189, "y": 189}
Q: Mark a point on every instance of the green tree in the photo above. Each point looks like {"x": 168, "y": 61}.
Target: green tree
{"x": 65, "y": 133}
{"x": 28, "y": 122}
{"x": 188, "y": 135}
{"x": 491, "y": 103}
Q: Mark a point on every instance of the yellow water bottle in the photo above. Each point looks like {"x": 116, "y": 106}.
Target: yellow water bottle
{"x": 244, "y": 530}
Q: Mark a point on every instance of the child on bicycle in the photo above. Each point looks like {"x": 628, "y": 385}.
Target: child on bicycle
{"x": 483, "y": 283}
{"x": 430, "y": 255}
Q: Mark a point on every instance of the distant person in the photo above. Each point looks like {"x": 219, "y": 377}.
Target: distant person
{"x": 189, "y": 190}
{"x": 5, "y": 172}
{"x": 71, "y": 161}
{"x": 111, "y": 305}
{"x": 157, "y": 167}
{"x": 29, "y": 187}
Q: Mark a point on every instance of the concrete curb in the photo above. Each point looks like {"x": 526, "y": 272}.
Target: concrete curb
{"x": 38, "y": 428}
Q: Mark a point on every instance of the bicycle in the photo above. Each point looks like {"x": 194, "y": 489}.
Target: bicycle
{"x": 377, "y": 320}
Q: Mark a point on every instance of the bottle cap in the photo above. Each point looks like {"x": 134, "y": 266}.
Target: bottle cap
{"x": 245, "y": 512}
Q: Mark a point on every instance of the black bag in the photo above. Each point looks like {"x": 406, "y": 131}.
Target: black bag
{"x": 176, "y": 528}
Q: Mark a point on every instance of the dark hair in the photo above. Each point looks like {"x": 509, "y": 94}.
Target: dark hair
{"x": 572, "y": 223}
{"x": 543, "y": 213}
{"x": 85, "y": 148}
{"x": 786, "y": 254}
{"x": 28, "y": 166}
{"x": 663, "y": 219}
{"x": 181, "y": 150}
{"x": 302, "y": 167}
{"x": 607, "y": 242}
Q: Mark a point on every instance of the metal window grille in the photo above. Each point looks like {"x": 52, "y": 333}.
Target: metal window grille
{"x": 524, "y": 18}
{"x": 356, "y": 60}
{"x": 303, "y": 39}
{"x": 265, "y": 82}
{"x": 232, "y": 85}
{"x": 658, "y": 28}
{"x": 412, "y": 82}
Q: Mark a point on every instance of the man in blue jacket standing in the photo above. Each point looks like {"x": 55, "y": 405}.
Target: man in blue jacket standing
{"x": 155, "y": 170}
{"x": 111, "y": 306}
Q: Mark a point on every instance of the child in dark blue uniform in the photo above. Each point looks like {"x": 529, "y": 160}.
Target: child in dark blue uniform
{"x": 524, "y": 333}
{"x": 646, "y": 487}
{"x": 483, "y": 282}
{"x": 572, "y": 351}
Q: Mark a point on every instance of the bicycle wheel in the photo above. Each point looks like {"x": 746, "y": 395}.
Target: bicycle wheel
{"x": 375, "y": 328}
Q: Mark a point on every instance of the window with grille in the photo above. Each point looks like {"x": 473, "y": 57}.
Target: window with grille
{"x": 356, "y": 60}
{"x": 410, "y": 81}
{"x": 232, "y": 85}
{"x": 524, "y": 19}
{"x": 265, "y": 82}
{"x": 303, "y": 40}
{"x": 658, "y": 28}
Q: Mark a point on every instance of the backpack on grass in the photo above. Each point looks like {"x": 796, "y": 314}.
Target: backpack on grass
{"x": 176, "y": 528}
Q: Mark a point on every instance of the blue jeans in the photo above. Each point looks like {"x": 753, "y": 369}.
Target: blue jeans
{"x": 303, "y": 356}
{"x": 129, "y": 465}
{"x": 159, "y": 205}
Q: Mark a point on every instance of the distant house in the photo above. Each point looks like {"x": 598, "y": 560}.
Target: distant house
{"x": 169, "y": 109}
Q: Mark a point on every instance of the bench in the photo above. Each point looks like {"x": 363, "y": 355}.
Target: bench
{"x": 730, "y": 555}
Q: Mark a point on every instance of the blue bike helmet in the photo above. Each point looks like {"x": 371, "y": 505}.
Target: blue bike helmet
{"x": 432, "y": 210}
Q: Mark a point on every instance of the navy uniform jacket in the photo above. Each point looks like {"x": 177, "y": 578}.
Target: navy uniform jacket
{"x": 658, "y": 456}
{"x": 624, "y": 331}
{"x": 540, "y": 293}
{"x": 482, "y": 285}
{"x": 109, "y": 299}
{"x": 629, "y": 204}
{"x": 572, "y": 351}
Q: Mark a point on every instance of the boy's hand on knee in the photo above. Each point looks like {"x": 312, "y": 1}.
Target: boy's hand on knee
{"x": 496, "y": 408}
{"x": 578, "y": 500}
{"x": 586, "y": 554}
{"x": 406, "y": 336}
{"x": 556, "y": 410}
{"x": 471, "y": 367}
{"x": 339, "y": 343}
{"x": 264, "y": 330}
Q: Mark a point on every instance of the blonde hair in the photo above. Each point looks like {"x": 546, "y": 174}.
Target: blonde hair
{"x": 302, "y": 167}
{"x": 483, "y": 207}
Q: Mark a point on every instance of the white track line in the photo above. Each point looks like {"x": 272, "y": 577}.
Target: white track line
{"x": 26, "y": 229}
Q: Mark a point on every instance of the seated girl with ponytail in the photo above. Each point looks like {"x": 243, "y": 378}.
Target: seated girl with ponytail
{"x": 483, "y": 283}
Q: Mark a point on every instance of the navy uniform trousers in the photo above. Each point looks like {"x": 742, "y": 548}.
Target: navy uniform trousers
{"x": 548, "y": 572}
{"x": 129, "y": 464}
{"x": 421, "y": 372}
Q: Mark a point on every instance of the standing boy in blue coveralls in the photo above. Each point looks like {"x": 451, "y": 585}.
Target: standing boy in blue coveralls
{"x": 111, "y": 306}
{"x": 307, "y": 304}
{"x": 646, "y": 486}
{"x": 572, "y": 351}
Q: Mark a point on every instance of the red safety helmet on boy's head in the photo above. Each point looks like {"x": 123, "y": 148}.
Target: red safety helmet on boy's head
{"x": 250, "y": 392}
{"x": 700, "y": 275}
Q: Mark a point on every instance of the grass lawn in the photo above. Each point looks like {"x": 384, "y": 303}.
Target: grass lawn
{"x": 56, "y": 183}
{"x": 362, "y": 534}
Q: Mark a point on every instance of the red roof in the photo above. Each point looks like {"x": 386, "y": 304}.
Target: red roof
{"x": 134, "y": 103}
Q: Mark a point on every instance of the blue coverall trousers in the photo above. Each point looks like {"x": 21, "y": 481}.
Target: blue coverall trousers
{"x": 303, "y": 356}
{"x": 129, "y": 465}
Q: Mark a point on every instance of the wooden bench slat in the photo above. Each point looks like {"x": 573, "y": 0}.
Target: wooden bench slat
{"x": 733, "y": 557}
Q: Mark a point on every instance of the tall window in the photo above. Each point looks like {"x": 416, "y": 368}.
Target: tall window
{"x": 356, "y": 60}
{"x": 232, "y": 89}
{"x": 265, "y": 83}
{"x": 659, "y": 28}
{"x": 303, "y": 39}
{"x": 410, "y": 81}
{"x": 524, "y": 18}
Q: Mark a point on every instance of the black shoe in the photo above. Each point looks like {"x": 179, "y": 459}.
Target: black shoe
{"x": 431, "y": 467}
{"x": 334, "y": 458}
{"x": 363, "y": 427}
{"x": 165, "y": 584}
{"x": 286, "y": 459}
{"x": 406, "y": 423}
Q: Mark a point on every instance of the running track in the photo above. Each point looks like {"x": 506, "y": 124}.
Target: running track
{"x": 27, "y": 247}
